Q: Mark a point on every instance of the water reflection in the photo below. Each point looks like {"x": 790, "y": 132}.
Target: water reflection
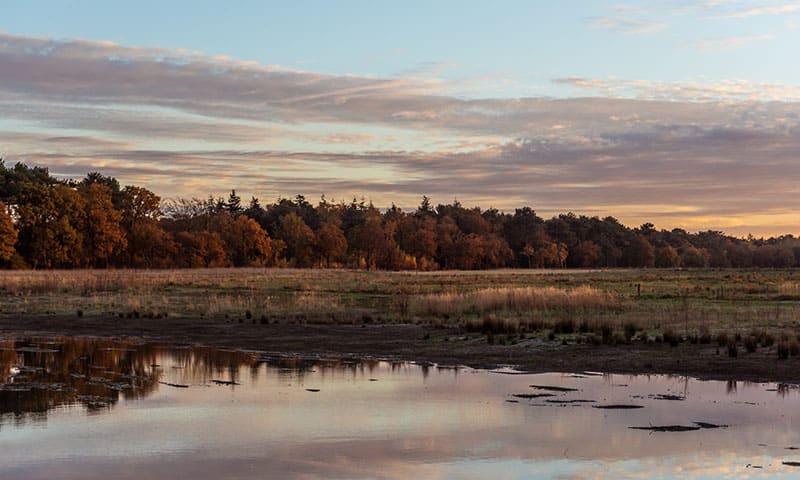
{"x": 39, "y": 375}
{"x": 248, "y": 415}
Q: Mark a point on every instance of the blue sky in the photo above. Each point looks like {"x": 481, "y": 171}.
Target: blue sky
{"x": 649, "y": 111}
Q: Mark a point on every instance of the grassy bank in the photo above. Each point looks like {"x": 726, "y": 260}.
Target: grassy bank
{"x": 692, "y": 304}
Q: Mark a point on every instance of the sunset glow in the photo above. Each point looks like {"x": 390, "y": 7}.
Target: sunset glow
{"x": 684, "y": 114}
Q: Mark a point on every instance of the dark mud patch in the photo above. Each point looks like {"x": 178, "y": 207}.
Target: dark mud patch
{"x": 680, "y": 428}
{"x": 225, "y": 382}
{"x": 554, "y": 388}
{"x": 175, "y": 385}
{"x": 668, "y": 396}
{"x": 709, "y": 425}
{"x": 667, "y": 428}
{"x": 532, "y": 395}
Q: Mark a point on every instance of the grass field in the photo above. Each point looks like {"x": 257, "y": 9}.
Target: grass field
{"x": 576, "y": 304}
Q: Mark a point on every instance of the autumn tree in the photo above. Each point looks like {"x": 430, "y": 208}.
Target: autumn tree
{"x": 8, "y": 234}
{"x": 586, "y": 254}
{"x": 148, "y": 244}
{"x": 640, "y": 253}
{"x": 368, "y": 240}
{"x": 50, "y": 224}
{"x": 111, "y": 183}
{"x": 103, "y": 234}
{"x": 693, "y": 257}
{"x": 416, "y": 234}
{"x": 667, "y": 257}
{"x": 200, "y": 249}
{"x": 331, "y": 244}
{"x": 520, "y": 231}
{"x": 299, "y": 239}
{"x": 247, "y": 243}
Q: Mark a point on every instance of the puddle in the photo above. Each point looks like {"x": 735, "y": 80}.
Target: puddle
{"x": 87, "y": 408}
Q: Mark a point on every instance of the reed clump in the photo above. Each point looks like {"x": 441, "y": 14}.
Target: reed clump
{"x": 516, "y": 299}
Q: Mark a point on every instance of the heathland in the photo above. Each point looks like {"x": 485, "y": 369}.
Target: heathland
{"x": 736, "y": 324}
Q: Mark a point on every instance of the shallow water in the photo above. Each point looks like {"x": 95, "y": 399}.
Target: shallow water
{"x": 82, "y": 408}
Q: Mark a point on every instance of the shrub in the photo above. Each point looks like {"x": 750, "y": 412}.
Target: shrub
{"x": 732, "y": 350}
{"x": 584, "y": 326}
{"x": 783, "y": 350}
{"x": 630, "y": 329}
{"x": 722, "y": 339}
{"x": 564, "y": 325}
{"x": 705, "y": 336}
{"x": 606, "y": 331}
{"x": 493, "y": 324}
{"x": 671, "y": 337}
{"x": 750, "y": 343}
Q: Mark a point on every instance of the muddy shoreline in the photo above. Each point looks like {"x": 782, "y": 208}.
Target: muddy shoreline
{"x": 444, "y": 346}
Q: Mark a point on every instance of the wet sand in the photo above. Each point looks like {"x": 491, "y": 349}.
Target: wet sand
{"x": 448, "y": 346}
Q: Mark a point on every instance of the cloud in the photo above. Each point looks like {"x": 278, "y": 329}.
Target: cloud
{"x": 187, "y": 124}
{"x": 731, "y": 42}
{"x": 761, "y": 10}
{"x": 626, "y": 25}
{"x": 722, "y": 91}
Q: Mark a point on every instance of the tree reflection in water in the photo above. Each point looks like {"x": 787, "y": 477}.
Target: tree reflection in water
{"x": 38, "y": 375}
{"x": 41, "y": 374}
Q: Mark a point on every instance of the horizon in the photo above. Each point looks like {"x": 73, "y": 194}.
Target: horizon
{"x": 681, "y": 114}
{"x": 263, "y": 202}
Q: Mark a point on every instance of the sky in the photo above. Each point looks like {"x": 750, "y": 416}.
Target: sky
{"x": 680, "y": 113}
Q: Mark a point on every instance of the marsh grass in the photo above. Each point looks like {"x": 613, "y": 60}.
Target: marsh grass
{"x": 516, "y": 299}
{"x": 696, "y": 305}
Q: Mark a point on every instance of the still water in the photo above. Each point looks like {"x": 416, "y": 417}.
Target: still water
{"x": 89, "y": 408}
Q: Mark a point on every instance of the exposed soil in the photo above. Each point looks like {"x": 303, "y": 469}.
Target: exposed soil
{"x": 425, "y": 344}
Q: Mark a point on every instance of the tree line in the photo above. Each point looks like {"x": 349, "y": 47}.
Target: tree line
{"x": 47, "y": 223}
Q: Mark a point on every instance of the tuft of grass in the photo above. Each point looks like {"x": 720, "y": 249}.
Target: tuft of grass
{"x": 630, "y": 328}
{"x": 564, "y": 325}
{"x": 794, "y": 348}
{"x": 670, "y": 336}
{"x": 783, "y": 350}
{"x": 495, "y": 325}
{"x": 606, "y": 330}
{"x": 705, "y": 336}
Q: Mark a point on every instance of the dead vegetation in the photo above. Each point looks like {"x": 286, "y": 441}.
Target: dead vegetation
{"x": 743, "y": 312}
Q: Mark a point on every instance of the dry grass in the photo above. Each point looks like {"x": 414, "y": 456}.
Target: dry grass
{"x": 789, "y": 289}
{"x": 518, "y": 300}
{"x": 692, "y": 304}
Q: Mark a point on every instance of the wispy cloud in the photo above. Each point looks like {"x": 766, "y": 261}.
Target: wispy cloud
{"x": 761, "y": 10}
{"x": 626, "y": 25}
{"x": 731, "y": 42}
{"x": 722, "y": 91}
